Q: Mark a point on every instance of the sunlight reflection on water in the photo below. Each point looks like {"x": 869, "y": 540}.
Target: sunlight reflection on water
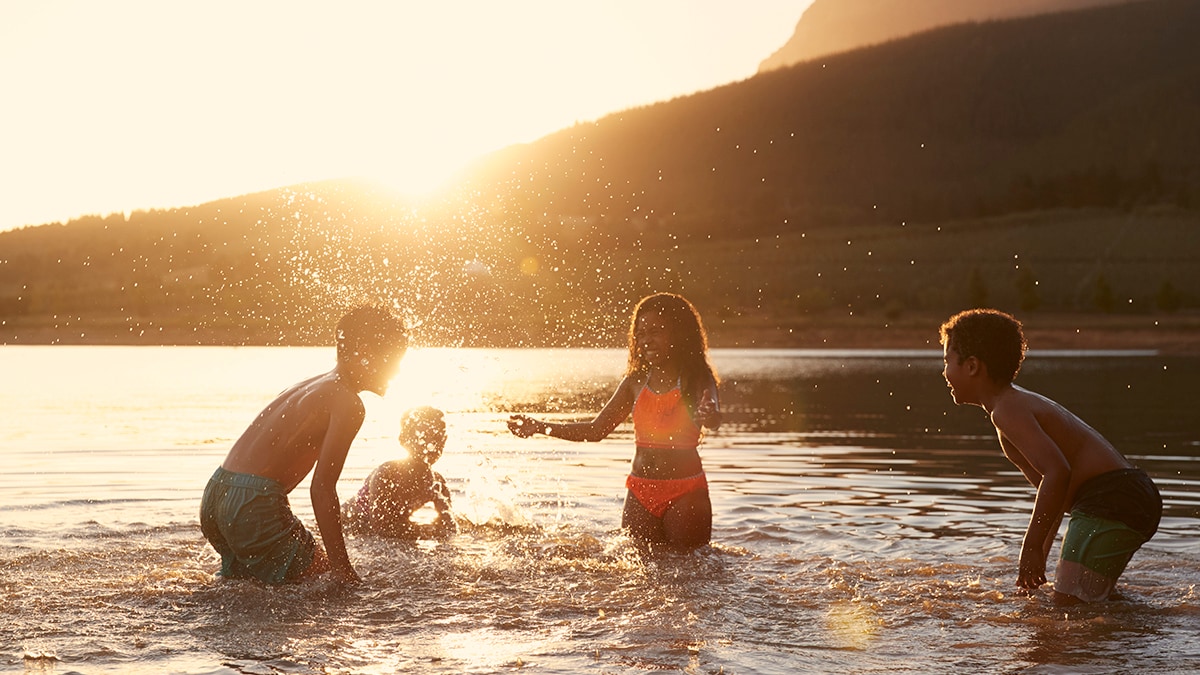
{"x": 862, "y": 523}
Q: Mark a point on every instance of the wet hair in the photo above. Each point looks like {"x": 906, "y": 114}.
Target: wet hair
{"x": 368, "y": 330}
{"x": 992, "y": 336}
{"x": 689, "y": 342}
{"x": 420, "y": 426}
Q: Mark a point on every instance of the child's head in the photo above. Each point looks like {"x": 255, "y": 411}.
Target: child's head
{"x": 423, "y": 433}
{"x": 991, "y": 336}
{"x": 370, "y": 342}
{"x": 677, "y": 321}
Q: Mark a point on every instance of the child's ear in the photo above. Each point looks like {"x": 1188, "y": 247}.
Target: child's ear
{"x": 973, "y": 365}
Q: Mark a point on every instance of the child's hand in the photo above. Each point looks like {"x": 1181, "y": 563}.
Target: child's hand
{"x": 523, "y": 426}
{"x": 1031, "y": 571}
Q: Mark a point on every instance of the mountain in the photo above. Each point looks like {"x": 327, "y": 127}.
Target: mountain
{"x": 833, "y": 26}
{"x": 1050, "y": 162}
{"x": 1088, "y": 108}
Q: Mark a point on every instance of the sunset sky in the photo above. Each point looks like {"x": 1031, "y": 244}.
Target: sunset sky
{"x": 123, "y": 105}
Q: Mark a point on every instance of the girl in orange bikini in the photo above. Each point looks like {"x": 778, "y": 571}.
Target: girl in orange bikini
{"x": 671, "y": 390}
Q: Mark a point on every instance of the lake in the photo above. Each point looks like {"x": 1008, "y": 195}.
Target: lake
{"x": 862, "y": 522}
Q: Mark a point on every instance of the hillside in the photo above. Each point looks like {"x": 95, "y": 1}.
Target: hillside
{"x": 1092, "y": 108}
{"x": 997, "y": 163}
{"x": 833, "y": 26}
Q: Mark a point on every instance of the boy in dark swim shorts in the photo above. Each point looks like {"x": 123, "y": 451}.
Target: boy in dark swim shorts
{"x": 1115, "y": 507}
{"x": 245, "y": 514}
{"x": 261, "y": 537}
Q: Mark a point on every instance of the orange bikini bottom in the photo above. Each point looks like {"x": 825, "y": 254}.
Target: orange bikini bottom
{"x": 657, "y": 494}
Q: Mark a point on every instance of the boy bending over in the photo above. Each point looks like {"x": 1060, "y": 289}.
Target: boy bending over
{"x": 245, "y": 513}
{"x": 1114, "y": 507}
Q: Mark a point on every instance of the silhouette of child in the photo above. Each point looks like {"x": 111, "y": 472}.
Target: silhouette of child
{"x": 397, "y": 489}
{"x": 245, "y": 513}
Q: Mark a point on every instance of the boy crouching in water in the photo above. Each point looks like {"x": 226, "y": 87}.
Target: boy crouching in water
{"x": 1115, "y": 508}
{"x": 245, "y": 513}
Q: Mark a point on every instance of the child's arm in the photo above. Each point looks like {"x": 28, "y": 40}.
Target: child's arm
{"x": 439, "y": 494}
{"x": 346, "y": 416}
{"x": 1040, "y": 459}
{"x": 614, "y": 412}
{"x": 708, "y": 410}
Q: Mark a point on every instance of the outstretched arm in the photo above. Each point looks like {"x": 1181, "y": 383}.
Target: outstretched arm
{"x": 615, "y": 411}
{"x": 1040, "y": 459}
{"x": 345, "y": 418}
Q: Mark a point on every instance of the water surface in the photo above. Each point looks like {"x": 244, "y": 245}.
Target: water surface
{"x": 862, "y": 523}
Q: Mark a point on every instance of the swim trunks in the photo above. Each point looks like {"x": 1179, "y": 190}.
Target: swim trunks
{"x": 657, "y": 495}
{"x": 663, "y": 421}
{"x": 1113, "y": 515}
{"x": 248, "y": 521}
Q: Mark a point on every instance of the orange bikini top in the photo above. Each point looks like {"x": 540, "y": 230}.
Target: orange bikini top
{"x": 662, "y": 421}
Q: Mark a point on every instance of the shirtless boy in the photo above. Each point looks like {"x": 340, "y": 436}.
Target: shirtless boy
{"x": 1114, "y": 507}
{"x": 245, "y": 513}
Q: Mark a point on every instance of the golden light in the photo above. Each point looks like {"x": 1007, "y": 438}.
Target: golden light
{"x": 851, "y": 624}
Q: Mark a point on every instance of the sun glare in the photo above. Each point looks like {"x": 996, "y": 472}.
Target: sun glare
{"x": 454, "y": 380}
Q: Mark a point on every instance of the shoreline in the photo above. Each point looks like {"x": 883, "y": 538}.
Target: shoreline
{"x": 1177, "y": 334}
{"x": 1167, "y": 334}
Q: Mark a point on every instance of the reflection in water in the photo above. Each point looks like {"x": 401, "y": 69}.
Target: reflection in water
{"x": 862, "y": 524}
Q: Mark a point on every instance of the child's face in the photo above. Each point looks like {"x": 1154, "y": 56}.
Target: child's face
{"x": 653, "y": 338}
{"x": 426, "y": 443}
{"x": 381, "y": 369}
{"x": 956, "y": 374}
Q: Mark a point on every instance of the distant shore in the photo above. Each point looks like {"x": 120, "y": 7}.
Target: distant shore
{"x": 1175, "y": 334}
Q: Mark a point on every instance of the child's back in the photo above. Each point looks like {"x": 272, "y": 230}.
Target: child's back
{"x": 284, "y": 442}
{"x": 1087, "y": 453}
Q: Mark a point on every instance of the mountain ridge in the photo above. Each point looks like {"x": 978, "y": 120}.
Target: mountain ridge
{"x": 829, "y": 27}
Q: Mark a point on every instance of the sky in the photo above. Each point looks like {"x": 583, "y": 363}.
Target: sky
{"x": 125, "y": 105}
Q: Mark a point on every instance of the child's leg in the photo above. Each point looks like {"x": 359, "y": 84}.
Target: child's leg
{"x": 319, "y": 565}
{"x": 1095, "y": 552}
{"x": 640, "y": 523}
{"x": 687, "y": 523}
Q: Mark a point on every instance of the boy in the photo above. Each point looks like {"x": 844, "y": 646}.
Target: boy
{"x": 398, "y": 488}
{"x": 1115, "y": 507}
{"x": 245, "y": 513}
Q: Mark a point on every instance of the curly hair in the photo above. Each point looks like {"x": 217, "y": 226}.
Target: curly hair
{"x": 369, "y": 328}
{"x": 992, "y": 336}
{"x": 689, "y": 342}
{"x": 422, "y": 427}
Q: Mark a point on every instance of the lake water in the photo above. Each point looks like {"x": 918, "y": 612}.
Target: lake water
{"x": 863, "y": 524}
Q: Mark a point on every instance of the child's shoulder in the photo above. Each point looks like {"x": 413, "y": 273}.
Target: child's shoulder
{"x": 1020, "y": 404}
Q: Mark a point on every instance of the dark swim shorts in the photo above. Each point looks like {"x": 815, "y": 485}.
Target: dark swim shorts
{"x": 1113, "y": 515}
{"x": 248, "y": 521}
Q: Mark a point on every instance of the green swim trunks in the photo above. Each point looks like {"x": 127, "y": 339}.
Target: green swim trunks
{"x": 1113, "y": 515}
{"x": 248, "y": 521}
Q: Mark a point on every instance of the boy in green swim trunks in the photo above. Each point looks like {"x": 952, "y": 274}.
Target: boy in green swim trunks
{"x": 1114, "y": 506}
{"x": 245, "y": 514}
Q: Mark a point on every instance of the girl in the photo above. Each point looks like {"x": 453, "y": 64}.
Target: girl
{"x": 395, "y": 490}
{"x": 671, "y": 390}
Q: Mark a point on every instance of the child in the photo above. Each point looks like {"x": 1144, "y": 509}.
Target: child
{"x": 1115, "y": 507}
{"x": 245, "y": 513}
{"x": 398, "y": 488}
{"x": 671, "y": 390}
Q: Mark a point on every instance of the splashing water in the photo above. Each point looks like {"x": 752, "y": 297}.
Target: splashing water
{"x": 862, "y": 524}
